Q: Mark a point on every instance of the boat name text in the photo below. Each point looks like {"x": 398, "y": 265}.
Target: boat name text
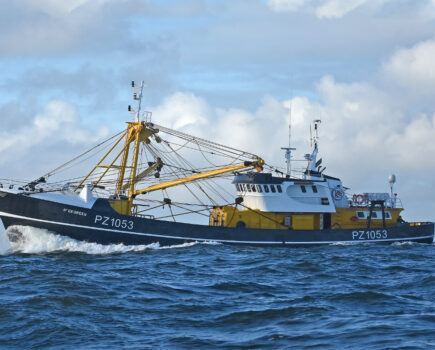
{"x": 113, "y": 222}
{"x": 75, "y": 212}
{"x": 370, "y": 234}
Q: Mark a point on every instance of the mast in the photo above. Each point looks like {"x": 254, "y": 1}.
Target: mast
{"x": 313, "y": 164}
{"x": 138, "y": 98}
{"x": 289, "y": 149}
{"x": 121, "y": 174}
{"x": 392, "y": 181}
{"x": 137, "y": 132}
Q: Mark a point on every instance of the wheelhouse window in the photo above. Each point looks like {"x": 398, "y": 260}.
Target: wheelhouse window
{"x": 249, "y": 187}
{"x": 303, "y": 189}
{"x": 375, "y": 215}
{"x": 266, "y": 188}
{"x": 279, "y": 188}
{"x": 259, "y": 190}
{"x": 314, "y": 187}
{"x": 253, "y": 188}
{"x": 272, "y": 188}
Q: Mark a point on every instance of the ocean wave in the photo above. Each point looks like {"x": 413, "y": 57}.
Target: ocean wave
{"x": 30, "y": 240}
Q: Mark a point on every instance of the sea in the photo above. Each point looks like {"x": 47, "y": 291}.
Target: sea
{"x": 58, "y": 293}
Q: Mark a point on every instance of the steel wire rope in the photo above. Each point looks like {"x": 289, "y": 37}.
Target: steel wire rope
{"x": 192, "y": 193}
{"x": 83, "y": 160}
{"x": 212, "y": 179}
{"x": 184, "y": 213}
{"x": 260, "y": 214}
{"x": 217, "y": 149}
{"x": 202, "y": 153}
{"x": 219, "y": 153}
{"x": 210, "y": 187}
{"x": 181, "y": 158}
{"x": 92, "y": 177}
{"x": 81, "y": 155}
{"x": 169, "y": 205}
{"x": 206, "y": 142}
{"x": 193, "y": 211}
{"x": 181, "y": 146}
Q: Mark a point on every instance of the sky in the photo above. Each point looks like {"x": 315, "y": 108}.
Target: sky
{"x": 230, "y": 71}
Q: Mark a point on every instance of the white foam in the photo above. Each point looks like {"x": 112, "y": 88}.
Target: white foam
{"x": 403, "y": 243}
{"x": 5, "y": 245}
{"x": 343, "y": 243}
{"x": 29, "y": 240}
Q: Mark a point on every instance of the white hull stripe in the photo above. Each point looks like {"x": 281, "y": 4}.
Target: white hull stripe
{"x": 208, "y": 240}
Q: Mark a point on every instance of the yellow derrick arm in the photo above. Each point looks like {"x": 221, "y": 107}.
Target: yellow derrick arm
{"x": 136, "y": 132}
{"x": 145, "y": 173}
{"x": 99, "y": 163}
{"x": 258, "y": 165}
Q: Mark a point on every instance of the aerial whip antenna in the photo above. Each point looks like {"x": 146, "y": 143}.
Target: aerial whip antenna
{"x": 288, "y": 150}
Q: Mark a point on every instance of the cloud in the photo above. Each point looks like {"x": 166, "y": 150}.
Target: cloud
{"x": 51, "y": 27}
{"x": 362, "y": 126}
{"x": 182, "y": 111}
{"x": 224, "y": 71}
{"x": 337, "y": 8}
{"x": 368, "y": 127}
{"x": 329, "y": 9}
{"x": 57, "y": 127}
{"x": 414, "y": 67}
{"x": 61, "y": 8}
{"x": 366, "y": 133}
{"x": 364, "y": 136}
{"x": 286, "y": 5}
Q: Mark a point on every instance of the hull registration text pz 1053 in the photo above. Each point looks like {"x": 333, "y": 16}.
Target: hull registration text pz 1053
{"x": 370, "y": 234}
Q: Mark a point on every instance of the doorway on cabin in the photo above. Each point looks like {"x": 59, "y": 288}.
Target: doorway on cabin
{"x": 326, "y": 221}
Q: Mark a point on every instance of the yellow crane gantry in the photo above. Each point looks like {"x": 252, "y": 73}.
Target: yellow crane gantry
{"x": 136, "y": 133}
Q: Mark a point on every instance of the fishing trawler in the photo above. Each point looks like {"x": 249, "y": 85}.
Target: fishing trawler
{"x": 115, "y": 202}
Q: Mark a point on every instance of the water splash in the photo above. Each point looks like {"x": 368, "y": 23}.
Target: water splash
{"x": 30, "y": 240}
{"x": 5, "y": 245}
{"x": 405, "y": 243}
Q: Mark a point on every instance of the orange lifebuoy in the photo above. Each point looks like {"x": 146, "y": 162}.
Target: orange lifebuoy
{"x": 359, "y": 199}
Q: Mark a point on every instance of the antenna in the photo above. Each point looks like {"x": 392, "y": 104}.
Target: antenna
{"x": 289, "y": 149}
{"x": 392, "y": 181}
{"x": 138, "y": 98}
{"x": 313, "y": 164}
{"x": 315, "y": 138}
{"x": 290, "y": 124}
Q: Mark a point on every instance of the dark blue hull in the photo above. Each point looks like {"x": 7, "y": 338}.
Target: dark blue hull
{"x": 101, "y": 224}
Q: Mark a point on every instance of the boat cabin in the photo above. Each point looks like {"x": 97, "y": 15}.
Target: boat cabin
{"x": 313, "y": 202}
